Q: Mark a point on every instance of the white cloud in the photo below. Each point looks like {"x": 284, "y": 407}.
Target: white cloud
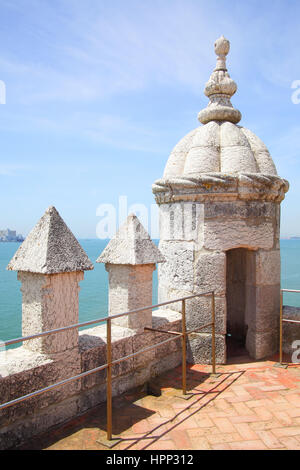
{"x": 112, "y": 51}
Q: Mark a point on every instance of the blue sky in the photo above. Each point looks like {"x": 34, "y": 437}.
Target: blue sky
{"x": 99, "y": 92}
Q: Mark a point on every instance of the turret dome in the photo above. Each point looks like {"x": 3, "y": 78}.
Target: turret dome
{"x": 220, "y": 145}
{"x": 220, "y": 151}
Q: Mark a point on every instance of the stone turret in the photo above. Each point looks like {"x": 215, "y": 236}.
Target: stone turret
{"x": 219, "y": 202}
{"x": 50, "y": 264}
{"x": 130, "y": 259}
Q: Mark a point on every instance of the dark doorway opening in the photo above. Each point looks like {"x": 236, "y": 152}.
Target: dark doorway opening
{"x": 240, "y": 272}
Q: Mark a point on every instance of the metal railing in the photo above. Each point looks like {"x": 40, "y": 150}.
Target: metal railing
{"x": 284, "y": 320}
{"x": 110, "y": 363}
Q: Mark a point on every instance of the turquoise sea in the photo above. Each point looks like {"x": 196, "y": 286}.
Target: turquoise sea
{"x": 93, "y": 297}
{"x": 94, "y": 288}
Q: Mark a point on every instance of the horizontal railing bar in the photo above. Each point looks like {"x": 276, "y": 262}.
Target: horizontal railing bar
{"x": 286, "y": 320}
{"x": 149, "y": 348}
{"x": 84, "y": 374}
{"x": 163, "y": 331}
{"x": 100, "y": 320}
{"x": 290, "y": 290}
{"x": 50, "y": 332}
{"x": 198, "y": 329}
{"x": 52, "y": 387}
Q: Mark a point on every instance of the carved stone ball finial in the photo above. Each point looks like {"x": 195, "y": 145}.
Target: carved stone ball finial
{"x": 219, "y": 89}
{"x": 222, "y": 48}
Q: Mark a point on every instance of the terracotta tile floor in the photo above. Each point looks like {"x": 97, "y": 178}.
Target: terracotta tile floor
{"x": 248, "y": 406}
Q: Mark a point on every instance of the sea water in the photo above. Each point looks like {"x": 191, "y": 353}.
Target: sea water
{"x": 93, "y": 297}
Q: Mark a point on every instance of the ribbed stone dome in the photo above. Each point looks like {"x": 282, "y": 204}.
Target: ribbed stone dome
{"x": 220, "y": 159}
{"x": 219, "y": 146}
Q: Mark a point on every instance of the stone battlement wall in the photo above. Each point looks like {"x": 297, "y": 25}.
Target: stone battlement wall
{"x": 27, "y": 371}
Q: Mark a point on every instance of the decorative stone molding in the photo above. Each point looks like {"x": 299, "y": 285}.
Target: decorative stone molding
{"x": 221, "y": 187}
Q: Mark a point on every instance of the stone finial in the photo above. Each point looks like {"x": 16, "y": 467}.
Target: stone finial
{"x": 222, "y": 48}
{"x": 132, "y": 245}
{"x": 219, "y": 89}
{"x": 130, "y": 259}
{"x": 50, "y": 248}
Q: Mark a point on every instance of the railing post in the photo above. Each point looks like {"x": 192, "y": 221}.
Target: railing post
{"x": 213, "y": 333}
{"x": 280, "y": 327}
{"x": 183, "y": 349}
{"x": 109, "y": 386}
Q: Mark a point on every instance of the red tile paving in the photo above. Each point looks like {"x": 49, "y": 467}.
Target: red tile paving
{"x": 248, "y": 406}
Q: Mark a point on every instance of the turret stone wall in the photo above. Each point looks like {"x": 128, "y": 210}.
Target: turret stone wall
{"x": 219, "y": 202}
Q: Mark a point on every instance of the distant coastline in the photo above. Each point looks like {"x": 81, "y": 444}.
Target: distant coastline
{"x": 290, "y": 238}
{"x": 7, "y": 236}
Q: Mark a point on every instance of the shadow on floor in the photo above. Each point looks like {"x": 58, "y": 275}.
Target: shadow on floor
{"x": 87, "y": 430}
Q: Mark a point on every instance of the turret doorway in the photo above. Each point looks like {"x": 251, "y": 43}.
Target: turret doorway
{"x": 240, "y": 278}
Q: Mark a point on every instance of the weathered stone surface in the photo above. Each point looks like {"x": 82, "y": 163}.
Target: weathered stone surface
{"x": 142, "y": 341}
{"x": 263, "y": 304}
{"x": 220, "y": 147}
{"x": 229, "y": 234}
{"x": 268, "y": 267}
{"x": 277, "y": 227}
{"x": 210, "y": 272}
{"x": 131, "y": 245}
{"x": 14, "y": 434}
{"x": 16, "y": 385}
{"x": 162, "y": 318}
{"x": 178, "y": 268}
{"x": 199, "y": 349}
{"x": 199, "y": 310}
{"x": 130, "y": 260}
{"x": 181, "y": 221}
{"x": 261, "y": 153}
{"x": 262, "y": 345}
{"x": 240, "y": 210}
{"x": 166, "y": 363}
{"x": 175, "y": 164}
{"x": 40, "y": 413}
{"x": 50, "y": 302}
{"x": 130, "y": 288}
{"x": 236, "y": 154}
{"x": 50, "y": 248}
{"x": 15, "y": 361}
{"x": 203, "y": 155}
{"x": 221, "y": 187}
